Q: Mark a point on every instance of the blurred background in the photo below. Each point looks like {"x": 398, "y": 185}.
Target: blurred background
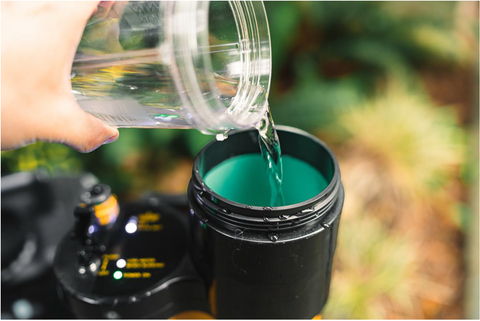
{"x": 392, "y": 88}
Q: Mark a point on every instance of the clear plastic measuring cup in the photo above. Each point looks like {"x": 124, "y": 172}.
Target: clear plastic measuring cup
{"x": 185, "y": 64}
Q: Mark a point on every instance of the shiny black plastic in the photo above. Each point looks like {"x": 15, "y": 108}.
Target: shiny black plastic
{"x": 157, "y": 278}
{"x": 264, "y": 262}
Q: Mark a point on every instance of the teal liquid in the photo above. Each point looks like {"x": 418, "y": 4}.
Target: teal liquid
{"x": 242, "y": 179}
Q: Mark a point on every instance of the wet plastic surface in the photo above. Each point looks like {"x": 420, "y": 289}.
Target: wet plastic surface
{"x": 266, "y": 262}
{"x": 141, "y": 270}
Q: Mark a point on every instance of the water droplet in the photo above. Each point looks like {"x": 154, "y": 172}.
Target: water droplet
{"x": 273, "y": 237}
{"x": 226, "y": 211}
{"x": 152, "y": 201}
{"x": 148, "y": 293}
{"x": 266, "y": 219}
{"x": 133, "y": 299}
{"x": 305, "y": 211}
{"x": 267, "y": 208}
{"x": 82, "y": 270}
{"x": 284, "y": 217}
{"x": 23, "y": 309}
{"x": 112, "y": 315}
{"x": 222, "y": 136}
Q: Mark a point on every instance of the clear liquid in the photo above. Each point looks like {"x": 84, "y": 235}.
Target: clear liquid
{"x": 272, "y": 157}
{"x": 136, "y": 89}
{"x": 134, "y": 94}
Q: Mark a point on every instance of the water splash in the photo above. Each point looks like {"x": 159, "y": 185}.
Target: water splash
{"x": 272, "y": 156}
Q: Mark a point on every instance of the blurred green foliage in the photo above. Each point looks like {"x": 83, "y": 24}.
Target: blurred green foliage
{"x": 422, "y": 145}
{"x": 370, "y": 272}
{"x": 55, "y": 158}
{"x": 400, "y": 158}
{"x": 330, "y": 55}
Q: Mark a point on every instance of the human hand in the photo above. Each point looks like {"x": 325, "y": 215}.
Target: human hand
{"x": 39, "y": 41}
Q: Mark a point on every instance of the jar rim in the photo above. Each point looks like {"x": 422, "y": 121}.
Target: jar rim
{"x": 320, "y": 201}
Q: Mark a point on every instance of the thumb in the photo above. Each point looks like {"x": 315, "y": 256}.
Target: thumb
{"x": 77, "y": 129}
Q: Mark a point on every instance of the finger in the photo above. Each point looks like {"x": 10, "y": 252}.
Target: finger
{"x": 75, "y": 128}
{"x": 78, "y": 10}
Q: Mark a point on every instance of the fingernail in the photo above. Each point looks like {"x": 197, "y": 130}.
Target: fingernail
{"x": 111, "y": 139}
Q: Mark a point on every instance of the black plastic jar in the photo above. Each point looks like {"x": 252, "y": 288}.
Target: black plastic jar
{"x": 264, "y": 262}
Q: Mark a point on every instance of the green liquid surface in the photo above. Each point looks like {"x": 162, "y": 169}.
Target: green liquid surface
{"x": 242, "y": 179}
